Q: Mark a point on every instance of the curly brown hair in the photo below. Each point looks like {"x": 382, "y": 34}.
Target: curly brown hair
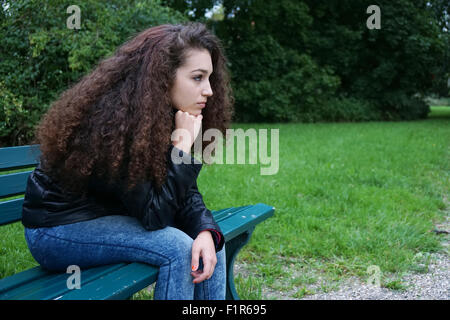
{"x": 116, "y": 122}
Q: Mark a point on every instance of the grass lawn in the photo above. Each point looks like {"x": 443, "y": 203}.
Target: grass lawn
{"x": 347, "y": 196}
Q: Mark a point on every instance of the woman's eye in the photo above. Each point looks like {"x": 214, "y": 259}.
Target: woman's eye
{"x": 197, "y": 77}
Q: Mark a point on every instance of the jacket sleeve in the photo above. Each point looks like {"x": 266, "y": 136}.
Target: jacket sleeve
{"x": 157, "y": 209}
{"x": 193, "y": 217}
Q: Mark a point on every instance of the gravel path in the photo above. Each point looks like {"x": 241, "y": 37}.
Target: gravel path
{"x": 433, "y": 285}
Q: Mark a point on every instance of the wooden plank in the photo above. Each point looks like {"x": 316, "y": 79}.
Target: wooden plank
{"x": 228, "y": 212}
{"x": 245, "y": 220}
{"x": 10, "y": 211}
{"x": 120, "y": 284}
{"x": 53, "y": 285}
{"x": 21, "y": 278}
{"x": 13, "y": 183}
{"x": 19, "y": 157}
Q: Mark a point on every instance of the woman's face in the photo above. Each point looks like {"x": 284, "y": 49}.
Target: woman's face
{"x": 191, "y": 86}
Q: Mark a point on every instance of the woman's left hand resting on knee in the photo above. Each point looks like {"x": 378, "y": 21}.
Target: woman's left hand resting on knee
{"x": 203, "y": 247}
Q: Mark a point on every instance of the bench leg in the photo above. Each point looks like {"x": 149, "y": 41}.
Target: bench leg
{"x": 232, "y": 248}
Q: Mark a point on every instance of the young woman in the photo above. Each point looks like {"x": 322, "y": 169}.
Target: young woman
{"x": 107, "y": 189}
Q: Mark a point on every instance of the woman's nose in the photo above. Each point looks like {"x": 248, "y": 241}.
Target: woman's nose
{"x": 207, "y": 91}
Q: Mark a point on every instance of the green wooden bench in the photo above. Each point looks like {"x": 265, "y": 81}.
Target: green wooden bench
{"x": 118, "y": 281}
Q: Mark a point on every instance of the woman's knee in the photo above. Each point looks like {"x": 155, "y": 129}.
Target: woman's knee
{"x": 178, "y": 245}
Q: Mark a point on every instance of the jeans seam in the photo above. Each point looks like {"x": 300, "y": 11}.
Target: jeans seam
{"x": 206, "y": 290}
{"x": 167, "y": 282}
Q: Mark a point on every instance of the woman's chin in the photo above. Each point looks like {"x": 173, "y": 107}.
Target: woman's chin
{"x": 195, "y": 112}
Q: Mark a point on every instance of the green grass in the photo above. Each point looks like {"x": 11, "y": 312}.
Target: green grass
{"x": 347, "y": 196}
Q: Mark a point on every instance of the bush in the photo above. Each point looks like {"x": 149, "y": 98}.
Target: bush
{"x": 272, "y": 83}
{"x": 13, "y": 117}
{"x": 348, "y": 109}
{"x": 40, "y": 57}
{"x": 399, "y": 106}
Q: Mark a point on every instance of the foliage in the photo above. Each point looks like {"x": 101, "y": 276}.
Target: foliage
{"x": 290, "y": 60}
{"x": 392, "y": 69}
{"x": 348, "y": 109}
{"x": 286, "y": 86}
{"x": 40, "y": 56}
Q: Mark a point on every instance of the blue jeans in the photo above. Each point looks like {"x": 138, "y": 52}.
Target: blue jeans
{"x": 116, "y": 238}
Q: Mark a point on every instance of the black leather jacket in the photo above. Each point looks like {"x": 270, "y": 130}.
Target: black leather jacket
{"x": 178, "y": 204}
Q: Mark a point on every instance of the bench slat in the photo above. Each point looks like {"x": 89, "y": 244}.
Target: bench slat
{"x": 52, "y": 285}
{"x": 218, "y": 216}
{"x": 19, "y": 157}
{"x": 119, "y": 284}
{"x": 245, "y": 220}
{"x": 18, "y": 279}
{"x": 14, "y": 183}
{"x": 10, "y": 211}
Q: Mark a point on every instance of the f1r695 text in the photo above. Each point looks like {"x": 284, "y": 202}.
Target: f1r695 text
{"x": 246, "y": 309}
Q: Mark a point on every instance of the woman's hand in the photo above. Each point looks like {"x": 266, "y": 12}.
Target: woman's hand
{"x": 187, "y": 127}
{"x": 203, "y": 246}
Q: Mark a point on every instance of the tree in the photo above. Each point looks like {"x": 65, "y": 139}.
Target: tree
{"x": 441, "y": 80}
{"x": 388, "y": 70}
{"x": 392, "y": 67}
{"x": 274, "y": 78}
